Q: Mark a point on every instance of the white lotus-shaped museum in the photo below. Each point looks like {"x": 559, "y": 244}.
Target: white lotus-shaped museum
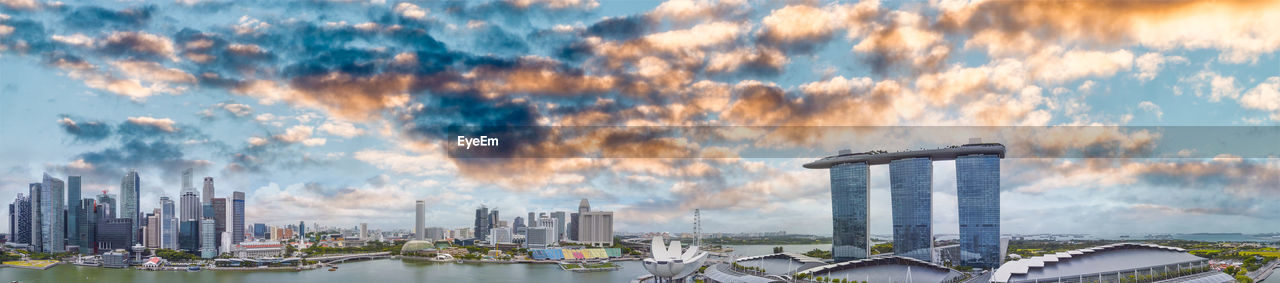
{"x": 670, "y": 263}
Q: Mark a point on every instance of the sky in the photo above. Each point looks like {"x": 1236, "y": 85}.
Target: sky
{"x": 1120, "y": 117}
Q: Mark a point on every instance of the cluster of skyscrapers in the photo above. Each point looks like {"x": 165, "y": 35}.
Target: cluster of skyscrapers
{"x": 539, "y": 230}
{"x": 911, "y": 190}
{"x": 54, "y": 218}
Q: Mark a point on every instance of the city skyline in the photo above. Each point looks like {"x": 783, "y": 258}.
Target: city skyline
{"x": 337, "y": 112}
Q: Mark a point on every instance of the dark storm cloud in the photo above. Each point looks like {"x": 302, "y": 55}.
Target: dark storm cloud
{"x": 84, "y": 130}
{"x": 27, "y": 36}
{"x": 620, "y": 28}
{"x": 94, "y": 17}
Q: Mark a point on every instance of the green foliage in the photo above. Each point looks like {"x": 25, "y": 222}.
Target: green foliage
{"x": 882, "y": 248}
{"x": 777, "y": 249}
{"x": 9, "y": 257}
{"x": 818, "y": 253}
{"x": 369, "y": 247}
{"x": 173, "y": 255}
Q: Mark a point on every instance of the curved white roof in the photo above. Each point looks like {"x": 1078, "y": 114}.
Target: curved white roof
{"x": 1091, "y": 260}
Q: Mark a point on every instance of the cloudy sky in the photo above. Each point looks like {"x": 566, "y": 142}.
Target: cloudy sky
{"x": 340, "y": 112}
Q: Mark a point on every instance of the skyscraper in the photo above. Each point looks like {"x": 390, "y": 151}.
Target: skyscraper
{"x": 237, "y": 217}
{"x": 208, "y": 190}
{"x": 493, "y": 218}
{"x": 978, "y": 198}
{"x": 154, "y": 231}
{"x": 168, "y": 224}
{"x": 420, "y": 221}
{"x": 108, "y": 202}
{"x": 482, "y": 222}
{"x": 186, "y": 179}
{"x": 208, "y": 246}
{"x": 259, "y": 231}
{"x": 53, "y": 215}
{"x": 114, "y": 233}
{"x": 190, "y": 206}
{"x": 560, "y": 223}
{"x": 302, "y": 231}
{"x": 90, "y": 213}
{"x": 850, "y": 212}
{"x": 189, "y": 236}
{"x": 533, "y": 222}
{"x": 73, "y": 210}
{"x": 364, "y": 231}
{"x": 550, "y": 224}
{"x": 596, "y": 228}
{"x": 130, "y": 188}
{"x": 911, "y": 192}
{"x": 37, "y": 217}
{"x": 20, "y": 220}
{"x": 219, "y": 218}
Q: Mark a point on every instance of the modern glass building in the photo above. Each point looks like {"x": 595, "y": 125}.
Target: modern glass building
{"x": 911, "y": 190}
{"x": 168, "y": 224}
{"x": 129, "y": 190}
{"x": 73, "y": 211}
{"x": 53, "y": 215}
{"x": 114, "y": 233}
{"x": 849, "y": 211}
{"x": 89, "y": 213}
{"x": 20, "y": 220}
{"x": 978, "y": 193}
{"x": 208, "y": 245}
{"x": 37, "y": 237}
{"x": 237, "y": 217}
{"x": 189, "y": 234}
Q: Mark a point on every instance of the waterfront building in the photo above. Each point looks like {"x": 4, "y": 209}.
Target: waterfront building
{"x": 208, "y": 240}
{"x": 118, "y": 258}
{"x": 237, "y": 217}
{"x": 911, "y": 196}
{"x": 885, "y": 269}
{"x": 911, "y": 192}
{"x": 978, "y": 198}
{"x": 562, "y": 219}
{"x": 219, "y": 218}
{"x": 481, "y": 222}
{"x": 500, "y": 235}
{"x": 53, "y": 215}
{"x": 550, "y": 224}
{"x": 168, "y": 224}
{"x": 114, "y": 233}
{"x": 90, "y": 214}
{"x": 73, "y": 212}
{"x": 130, "y": 190}
{"x": 20, "y": 220}
{"x": 37, "y": 235}
{"x": 1111, "y": 263}
{"x": 108, "y": 202}
{"x": 668, "y": 263}
{"x": 596, "y": 228}
{"x": 258, "y": 249}
{"x": 538, "y": 237}
{"x": 189, "y": 236}
{"x": 153, "y": 235}
{"x": 420, "y": 220}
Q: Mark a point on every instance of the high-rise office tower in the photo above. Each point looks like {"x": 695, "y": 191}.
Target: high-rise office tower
{"x": 420, "y": 221}
{"x": 237, "y": 217}
{"x": 154, "y": 231}
{"x": 189, "y": 236}
{"x": 550, "y": 224}
{"x": 219, "y": 217}
{"x": 259, "y": 231}
{"x": 53, "y": 214}
{"x": 482, "y": 222}
{"x": 89, "y": 214}
{"x": 533, "y": 222}
{"x": 168, "y": 224}
{"x": 20, "y": 220}
{"x": 493, "y": 218}
{"x": 596, "y": 228}
{"x": 302, "y": 231}
{"x": 364, "y": 231}
{"x": 114, "y": 233}
{"x": 561, "y": 220}
{"x": 850, "y": 211}
{"x": 208, "y": 246}
{"x": 978, "y": 198}
{"x": 186, "y": 179}
{"x": 208, "y": 190}
{"x": 911, "y": 192}
{"x": 73, "y": 211}
{"x": 108, "y": 202}
{"x": 37, "y": 217}
{"x": 130, "y": 189}
{"x": 190, "y": 206}
{"x": 572, "y": 229}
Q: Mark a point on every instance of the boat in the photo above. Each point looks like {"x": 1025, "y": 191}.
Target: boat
{"x": 193, "y": 268}
{"x": 335, "y": 268}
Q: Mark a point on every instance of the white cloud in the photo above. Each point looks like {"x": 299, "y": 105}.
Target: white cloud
{"x": 1265, "y": 96}
{"x": 342, "y": 129}
{"x": 295, "y": 134}
{"x": 1149, "y": 64}
{"x": 409, "y": 10}
{"x": 1153, "y": 108}
{"x": 163, "y": 124}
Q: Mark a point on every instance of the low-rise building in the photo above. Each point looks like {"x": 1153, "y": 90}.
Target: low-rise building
{"x": 115, "y": 259}
{"x": 258, "y": 249}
